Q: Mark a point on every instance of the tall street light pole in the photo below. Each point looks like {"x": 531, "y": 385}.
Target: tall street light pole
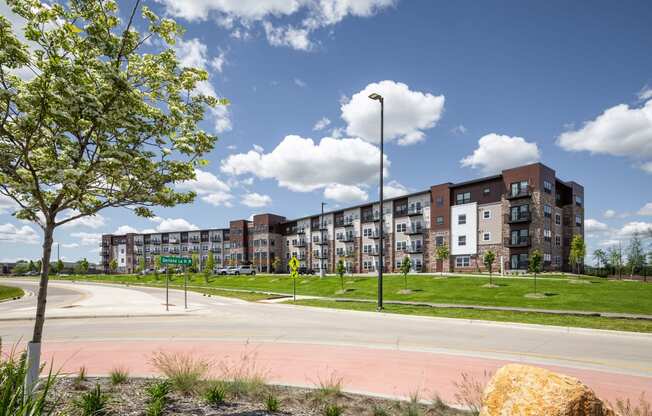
{"x": 381, "y": 265}
{"x": 321, "y": 241}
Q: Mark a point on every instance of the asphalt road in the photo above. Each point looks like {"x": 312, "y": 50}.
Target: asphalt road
{"x": 137, "y": 315}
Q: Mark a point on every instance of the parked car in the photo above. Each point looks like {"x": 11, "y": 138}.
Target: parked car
{"x": 225, "y": 270}
{"x": 305, "y": 270}
{"x": 245, "y": 270}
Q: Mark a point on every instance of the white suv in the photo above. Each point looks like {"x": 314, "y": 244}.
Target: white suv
{"x": 245, "y": 270}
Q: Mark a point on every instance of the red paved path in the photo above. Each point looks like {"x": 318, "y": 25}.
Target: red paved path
{"x": 378, "y": 371}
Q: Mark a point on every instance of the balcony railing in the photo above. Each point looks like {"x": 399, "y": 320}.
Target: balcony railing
{"x": 300, "y": 243}
{"x": 321, "y": 242}
{"x": 216, "y": 240}
{"x": 415, "y": 249}
{"x": 517, "y": 242}
{"x": 301, "y": 231}
{"x": 348, "y": 238}
{"x": 521, "y": 193}
{"x": 138, "y": 242}
{"x": 518, "y": 218}
{"x": 371, "y": 218}
{"x": 414, "y": 230}
{"x": 415, "y": 211}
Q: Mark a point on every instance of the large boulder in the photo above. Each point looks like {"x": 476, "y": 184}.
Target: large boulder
{"x": 521, "y": 390}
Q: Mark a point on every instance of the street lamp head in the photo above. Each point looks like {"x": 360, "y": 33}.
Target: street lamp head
{"x": 375, "y": 96}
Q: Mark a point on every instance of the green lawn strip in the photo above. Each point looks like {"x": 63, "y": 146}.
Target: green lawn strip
{"x": 8, "y": 292}
{"x": 599, "y": 295}
{"x": 630, "y": 325}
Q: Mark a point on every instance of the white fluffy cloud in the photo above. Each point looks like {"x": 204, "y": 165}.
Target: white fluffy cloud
{"x": 209, "y": 188}
{"x": 409, "y": 113}
{"x": 7, "y": 204}
{"x": 592, "y": 226}
{"x": 10, "y": 233}
{"x": 645, "y": 93}
{"x": 302, "y": 165}
{"x": 345, "y": 193}
{"x": 496, "y": 152}
{"x": 87, "y": 239}
{"x": 239, "y": 16}
{"x": 194, "y": 53}
{"x": 635, "y": 227}
{"x": 394, "y": 189}
{"x": 610, "y": 213}
{"x": 321, "y": 124}
{"x": 646, "y": 209}
{"x": 93, "y": 221}
{"x": 173, "y": 224}
{"x": 618, "y": 131}
{"x": 256, "y": 200}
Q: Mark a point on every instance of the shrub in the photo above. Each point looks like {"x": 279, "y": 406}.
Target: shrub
{"x": 333, "y": 410}
{"x": 379, "y": 411}
{"x": 92, "y": 403}
{"x": 215, "y": 394}
{"x": 158, "y": 390}
{"x": 119, "y": 375}
{"x": 330, "y": 386}
{"x": 13, "y": 398}
{"x": 78, "y": 382}
{"x": 272, "y": 404}
{"x": 626, "y": 408}
{"x": 243, "y": 377}
{"x": 155, "y": 408}
{"x": 469, "y": 391}
{"x": 184, "y": 371}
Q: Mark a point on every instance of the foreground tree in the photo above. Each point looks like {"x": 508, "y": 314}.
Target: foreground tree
{"x": 208, "y": 267}
{"x": 635, "y": 254}
{"x": 60, "y": 266}
{"x": 600, "y": 257}
{"x": 82, "y": 266}
{"x": 276, "y": 264}
{"x": 616, "y": 259}
{"x": 488, "y": 260}
{"x": 340, "y": 270}
{"x": 535, "y": 264}
{"x": 113, "y": 266}
{"x": 441, "y": 254}
{"x": 577, "y": 252}
{"x": 406, "y": 265}
{"x": 99, "y": 124}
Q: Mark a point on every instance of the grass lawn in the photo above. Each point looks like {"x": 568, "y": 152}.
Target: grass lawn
{"x": 630, "y": 325}
{"x": 598, "y": 295}
{"x": 7, "y": 292}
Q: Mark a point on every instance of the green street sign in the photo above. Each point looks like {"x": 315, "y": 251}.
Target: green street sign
{"x": 179, "y": 261}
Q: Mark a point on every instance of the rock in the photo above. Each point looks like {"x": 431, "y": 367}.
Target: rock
{"x": 521, "y": 390}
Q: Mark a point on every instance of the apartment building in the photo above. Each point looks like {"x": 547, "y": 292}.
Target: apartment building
{"x": 512, "y": 214}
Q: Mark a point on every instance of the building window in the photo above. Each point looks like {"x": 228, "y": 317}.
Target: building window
{"x": 439, "y": 201}
{"x": 439, "y": 241}
{"x": 462, "y": 261}
{"x": 461, "y": 219}
{"x": 400, "y": 228}
{"x": 578, "y": 200}
{"x": 547, "y": 211}
{"x": 547, "y": 234}
{"x": 439, "y": 220}
{"x": 519, "y": 188}
{"x": 486, "y": 214}
{"x": 558, "y": 219}
{"x": 547, "y": 187}
{"x": 486, "y": 191}
{"x": 547, "y": 257}
{"x": 578, "y": 220}
{"x": 401, "y": 245}
{"x": 486, "y": 237}
{"x": 557, "y": 240}
{"x": 463, "y": 198}
{"x": 461, "y": 240}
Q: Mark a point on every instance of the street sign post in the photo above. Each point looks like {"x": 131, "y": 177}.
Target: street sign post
{"x": 294, "y": 273}
{"x": 177, "y": 261}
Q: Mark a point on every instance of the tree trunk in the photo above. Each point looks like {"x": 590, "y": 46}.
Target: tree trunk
{"x": 34, "y": 347}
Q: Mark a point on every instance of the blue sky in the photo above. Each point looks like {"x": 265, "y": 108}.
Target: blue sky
{"x": 566, "y": 83}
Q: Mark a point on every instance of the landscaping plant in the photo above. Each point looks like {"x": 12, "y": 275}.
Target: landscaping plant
{"x": 488, "y": 260}
{"x": 535, "y": 265}
{"x": 215, "y": 393}
{"x": 92, "y": 403}
{"x": 184, "y": 371}
{"x": 406, "y": 265}
{"x": 118, "y": 375}
{"x": 441, "y": 254}
{"x": 272, "y": 403}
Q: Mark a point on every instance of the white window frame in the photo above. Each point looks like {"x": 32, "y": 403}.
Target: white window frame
{"x": 459, "y": 219}
{"x": 486, "y": 214}
{"x": 486, "y": 236}
{"x": 460, "y": 242}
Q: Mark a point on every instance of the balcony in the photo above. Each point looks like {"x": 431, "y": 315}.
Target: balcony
{"x": 517, "y": 242}
{"x": 216, "y": 250}
{"x": 415, "y": 249}
{"x": 321, "y": 242}
{"x": 371, "y": 218}
{"x": 521, "y": 217}
{"x": 375, "y": 235}
{"x": 348, "y": 238}
{"x": 155, "y": 242}
{"x": 105, "y": 252}
{"x": 301, "y": 231}
{"x": 300, "y": 243}
{"x": 521, "y": 193}
{"x": 414, "y": 231}
{"x": 194, "y": 240}
{"x": 138, "y": 242}
{"x": 321, "y": 256}
{"x": 216, "y": 240}
{"x": 415, "y": 212}
{"x": 375, "y": 252}
{"x": 323, "y": 227}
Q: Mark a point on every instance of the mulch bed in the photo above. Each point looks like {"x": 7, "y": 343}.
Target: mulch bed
{"x": 130, "y": 399}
